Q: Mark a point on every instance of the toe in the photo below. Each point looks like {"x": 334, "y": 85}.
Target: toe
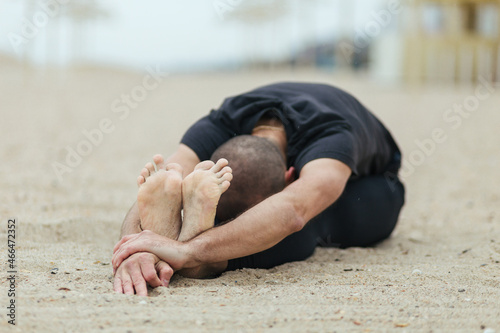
{"x": 140, "y": 180}
{"x": 224, "y": 186}
{"x": 224, "y": 170}
{"x": 145, "y": 173}
{"x": 219, "y": 165}
{"x": 159, "y": 161}
{"x": 226, "y": 177}
{"x": 174, "y": 167}
{"x": 205, "y": 165}
{"x": 151, "y": 167}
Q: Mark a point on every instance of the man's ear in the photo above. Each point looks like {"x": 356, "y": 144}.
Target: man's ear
{"x": 289, "y": 176}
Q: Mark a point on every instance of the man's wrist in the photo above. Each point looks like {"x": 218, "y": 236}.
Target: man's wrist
{"x": 191, "y": 250}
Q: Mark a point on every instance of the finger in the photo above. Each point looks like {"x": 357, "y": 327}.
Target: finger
{"x": 119, "y": 247}
{"x": 128, "y": 288}
{"x": 123, "y": 253}
{"x": 116, "y": 260}
{"x": 121, "y": 241}
{"x": 165, "y": 272}
{"x": 124, "y": 239}
{"x": 149, "y": 274}
{"x": 140, "y": 286}
{"x": 117, "y": 285}
{"x": 141, "y": 242}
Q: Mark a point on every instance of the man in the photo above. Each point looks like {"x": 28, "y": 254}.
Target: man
{"x": 346, "y": 191}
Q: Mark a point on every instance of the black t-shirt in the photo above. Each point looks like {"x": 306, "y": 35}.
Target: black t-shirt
{"x": 320, "y": 121}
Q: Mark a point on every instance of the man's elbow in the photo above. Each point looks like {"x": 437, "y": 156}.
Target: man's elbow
{"x": 295, "y": 221}
{"x": 297, "y": 224}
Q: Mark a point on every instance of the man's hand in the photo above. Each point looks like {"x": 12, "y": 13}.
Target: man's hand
{"x": 139, "y": 269}
{"x": 165, "y": 248}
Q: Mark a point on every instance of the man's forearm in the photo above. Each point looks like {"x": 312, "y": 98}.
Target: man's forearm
{"x": 320, "y": 184}
{"x": 258, "y": 229}
{"x": 132, "y": 222}
{"x": 254, "y": 231}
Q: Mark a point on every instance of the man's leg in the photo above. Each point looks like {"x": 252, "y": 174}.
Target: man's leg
{"x": 365, "y": 213}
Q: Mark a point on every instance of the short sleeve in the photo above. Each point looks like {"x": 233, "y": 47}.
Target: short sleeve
{"x": 205, "y": 136}
{"x": 339, "y": 146}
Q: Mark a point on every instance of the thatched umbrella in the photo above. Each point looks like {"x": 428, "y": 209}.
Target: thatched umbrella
{"x": 255, "y": 13}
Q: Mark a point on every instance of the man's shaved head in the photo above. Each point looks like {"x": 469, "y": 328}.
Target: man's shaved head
{"x": 258, "y": 172}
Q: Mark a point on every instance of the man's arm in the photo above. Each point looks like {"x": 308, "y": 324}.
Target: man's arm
{"x": 319, "y": 185}
{"x": 146, "y": 268}
{"x": 184, "y": 156}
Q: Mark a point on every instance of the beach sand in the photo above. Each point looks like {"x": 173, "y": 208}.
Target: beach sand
{"x": 439, "y": 272}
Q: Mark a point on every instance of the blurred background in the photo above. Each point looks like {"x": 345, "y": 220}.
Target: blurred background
{"x": 84, "y": 80}
{"x": 395, "y": 41}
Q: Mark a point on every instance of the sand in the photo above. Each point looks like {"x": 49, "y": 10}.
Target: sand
{"x": 439, "y": 272}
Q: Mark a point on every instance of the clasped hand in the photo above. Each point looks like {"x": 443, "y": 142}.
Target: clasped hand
{"x": 143, "y": 258}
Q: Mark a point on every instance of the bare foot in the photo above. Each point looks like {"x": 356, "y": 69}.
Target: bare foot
{"x": 151, "y": 168}
{"x": 201, "y": 191}
{"x": 160, "y": 198}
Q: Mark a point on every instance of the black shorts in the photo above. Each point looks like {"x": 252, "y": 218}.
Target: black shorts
{"x": 365, "y": 214}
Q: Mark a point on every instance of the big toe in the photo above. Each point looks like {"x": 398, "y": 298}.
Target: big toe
{"x": 205, "y": 165}
{"x": 159, "y": 161}
{"x": 174, "y": 167}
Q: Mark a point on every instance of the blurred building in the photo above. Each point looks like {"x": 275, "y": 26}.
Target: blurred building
{"x": 452, "y": 40}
